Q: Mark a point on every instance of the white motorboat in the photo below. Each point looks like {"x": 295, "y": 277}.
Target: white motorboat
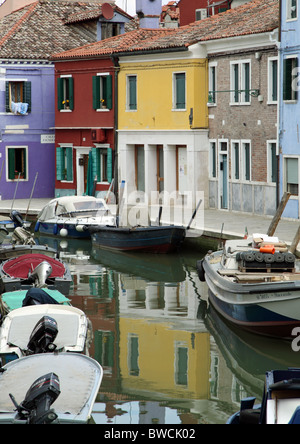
{"x": 66, "y": 216}
{"x": 46, "y": 388}
{"x": 43, "y": 328}
{"x": 254, "y": 284}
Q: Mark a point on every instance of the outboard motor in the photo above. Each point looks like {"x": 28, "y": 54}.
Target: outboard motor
{"x": 17, "y": 218}
{"x": 43, "y": 336}
{"x": 35, "y": 409}
{"x": 40, "y": 274}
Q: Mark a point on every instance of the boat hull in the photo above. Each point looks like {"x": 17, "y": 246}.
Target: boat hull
{"x": 54, "y": 229}
{"x": 270, "y": 309}
{"x": 164, "y": 239}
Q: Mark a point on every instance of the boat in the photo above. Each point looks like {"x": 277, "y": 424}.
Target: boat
{"x": 42, "y": 328}
{"x": 254, "y": 283}
{"x": 34, "y": 269}
{"x": 280, "y": 401}
{"x": 49, "y": 388}
{"x": 65, "y": 216}
{"x": 150, "y": 239}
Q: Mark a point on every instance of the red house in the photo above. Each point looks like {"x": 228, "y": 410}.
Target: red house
{"x": 192, "y": 10}
{"x": 85, "y": 113}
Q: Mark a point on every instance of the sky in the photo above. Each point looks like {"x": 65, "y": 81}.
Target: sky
{"x": 131, "y": 5}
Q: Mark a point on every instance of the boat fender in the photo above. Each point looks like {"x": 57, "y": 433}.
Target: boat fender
{"x": 200, "y": 270}
{"x": 63, "y": 232}
{"x": 267, "y": 249}
{"x": 80, "y": 228}
{"x": 37, "y": 226}
{"x": 55, "y": 229}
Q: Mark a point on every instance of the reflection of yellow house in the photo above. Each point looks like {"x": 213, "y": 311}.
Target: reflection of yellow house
{"x": 163, "y": 121}
{"x": 155, "y": 358}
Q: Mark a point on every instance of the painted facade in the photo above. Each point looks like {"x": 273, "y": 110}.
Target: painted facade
{"x": 243, "y": 117}
{"x": 289, "y": 148}
{"x": 163, "y": 147}
{"x": 27, "y": 134}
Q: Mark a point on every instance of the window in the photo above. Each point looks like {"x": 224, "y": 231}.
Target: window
{"x": 272, "y": 162}
{"x": 133, "y": 355}
{"x": 246, "y": 160}
{"x": 65, "y": 93}
{"x": 131, "y": 93}
{"x": 64, "y": 163}
{"x": 17, "y": 162}
{"x": 102, "y": 91}
{"x": 292, "y": 12}
{"x": 18, "y": 97}
{"x": 102, "y": 164}
{"x": 213, "y": 160}
{"x": 235, "y": 161}
{"x": 179, "y": 91}
{"x": 240, "y": 82}
{"x": 212, "y": 73}
{"x": 291, "y": 174}
{"x": 273, "y": 80}
{"x": 290, "y": 74}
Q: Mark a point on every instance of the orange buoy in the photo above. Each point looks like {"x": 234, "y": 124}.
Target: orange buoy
{"x": 267, "y": 249}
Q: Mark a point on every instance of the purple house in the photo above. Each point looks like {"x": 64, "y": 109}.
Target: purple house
{"x": 28, "y": 37}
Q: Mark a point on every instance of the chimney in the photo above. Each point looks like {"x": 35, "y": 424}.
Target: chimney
{"x": 149, "y": 12}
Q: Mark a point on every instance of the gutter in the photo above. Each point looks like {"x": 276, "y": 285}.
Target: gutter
{"x": 115, "y": 61}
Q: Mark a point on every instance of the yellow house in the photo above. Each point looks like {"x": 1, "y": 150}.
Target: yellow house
{"x": 163, "y": 122}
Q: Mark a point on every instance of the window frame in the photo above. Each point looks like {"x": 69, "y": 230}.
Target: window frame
{"x": 102, "y": 92}
{"x": 271, "y": 86}
{"x": 131, "y": 94}
{"x": 102, "y": 163}
{"x": 286, "y": 187}
{"x": 290, "y": 4}
{"x": 213, "y": 156}
{"x": 234, "y": 165}
{"x": 65, "y": 93}
{"x": 64, "y": 163}
{"x": 26, "y": 94}
{"x": 243, "y": 171}
{"x": 270, "y": 173}
{"x": 289, "y": 77}
{"x": 176, "y": 91}
{"x": 10, "y": 174}
{"x": 212, "y": 83}
{"x": 239, "y": 90}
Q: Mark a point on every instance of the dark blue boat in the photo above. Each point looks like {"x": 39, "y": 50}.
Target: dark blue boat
{"x": 152, "y": 239}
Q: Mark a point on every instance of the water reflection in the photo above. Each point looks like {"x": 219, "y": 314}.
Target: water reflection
{"x": 167, "y": 357}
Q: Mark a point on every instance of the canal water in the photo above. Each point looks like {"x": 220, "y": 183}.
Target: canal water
{"x": 167, "y": 357}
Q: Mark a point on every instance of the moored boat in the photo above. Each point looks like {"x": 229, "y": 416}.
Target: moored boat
{"x": 31, "y": 385}
{"x": 280, "y": 401}
{"x": 254, "y": 288}
{"x": 151, "y": 239}
{"x": 65, "y": 216}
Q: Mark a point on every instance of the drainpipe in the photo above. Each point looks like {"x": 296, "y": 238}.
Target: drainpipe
{"x": 116, "y": 105}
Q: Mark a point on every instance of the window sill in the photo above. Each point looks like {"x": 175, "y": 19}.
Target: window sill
{"x": 240, "y": 103}
{"x": 179, "y": 109}
{"x": 66, "y": 110}
{"x": 101, "y": 110}
{"x": 290, "y": 102}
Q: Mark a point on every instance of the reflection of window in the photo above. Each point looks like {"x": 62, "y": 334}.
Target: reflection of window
{"x": 64, "y": 163}
{"x": 291, "y": 9}
{"x": 181, "y": 364}
{"x": 290, "y": 74}
{"x": 18, "y": 94}
{"x": 133, "y": 355}
{"x": 102, "y": 91}
{"x": 17, "y": 162}
{"x": 65, "y": 93}
{"x": 291, "y": 173}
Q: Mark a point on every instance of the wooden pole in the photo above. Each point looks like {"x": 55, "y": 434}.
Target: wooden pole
{"x": 295, "y": 242}
{"x": 277, "y": 216}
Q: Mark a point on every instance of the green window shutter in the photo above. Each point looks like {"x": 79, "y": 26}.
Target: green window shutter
{"x": 247, "y": 82}
{"x": 132, "y": 93}
{"x": 59, "y": 163}
{"x": 96, "y": 163}
{"x": 236, "y": 83}
{"x": 27, "y": 95}
{"x": 69, "y": 155}
{"x": 109, "y": 165}
{"x": 180, "y": 91}
{"x": 109, "y": 97}
{"x": 71, "y": 93}
{"x": 7, "y": 107}
{"x": 247, "y": 161}
{"x": 11, "y": 163}
{"x": 96, "y": 92}
{"x": 60, "y": 94}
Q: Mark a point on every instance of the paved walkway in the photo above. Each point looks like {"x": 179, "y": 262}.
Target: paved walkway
{"x": 209, "y": 223}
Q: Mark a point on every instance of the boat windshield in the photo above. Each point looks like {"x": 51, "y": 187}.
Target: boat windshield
{"x": 86, "y": 207}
